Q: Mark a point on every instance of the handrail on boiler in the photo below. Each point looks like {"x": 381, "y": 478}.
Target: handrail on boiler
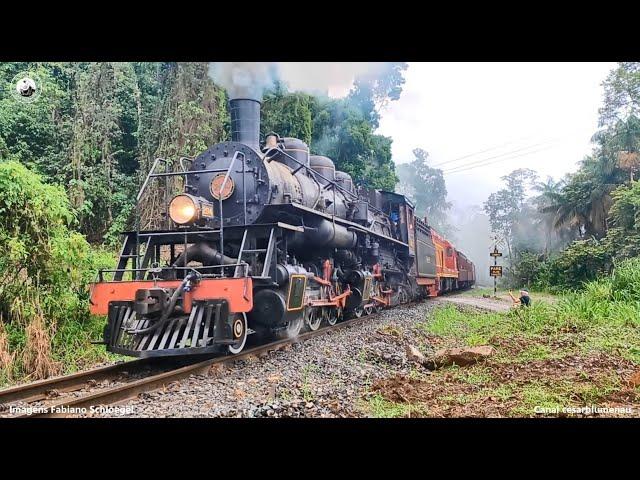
{"x": 224, "y": 183}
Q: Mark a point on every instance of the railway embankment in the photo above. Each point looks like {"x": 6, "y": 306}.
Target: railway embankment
{"x": 440, "y": 358}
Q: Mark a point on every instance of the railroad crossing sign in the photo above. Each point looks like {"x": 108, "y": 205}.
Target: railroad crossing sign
{"x": 495, "y": 253}
{"x": 495, "y": 270}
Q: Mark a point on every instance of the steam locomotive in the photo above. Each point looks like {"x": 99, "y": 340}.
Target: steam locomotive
{"x": 265, "y": 240}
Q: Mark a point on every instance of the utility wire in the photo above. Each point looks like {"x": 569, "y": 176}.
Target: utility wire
{"x": 495, "y": 156}
{"x": 505, "y": 154}
{"x": 477, "y": 153}
{"x": 470, "y": 155}
{"x": 466, "y": 168}
{"x": 471, "y": 167}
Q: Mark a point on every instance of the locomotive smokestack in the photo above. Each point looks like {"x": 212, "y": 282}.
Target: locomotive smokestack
{"x": 245, "y": 121}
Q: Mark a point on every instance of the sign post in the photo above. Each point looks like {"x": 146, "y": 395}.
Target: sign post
{"x": 495, "y": 271}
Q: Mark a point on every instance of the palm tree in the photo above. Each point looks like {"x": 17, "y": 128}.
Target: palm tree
{"x": 571, "y": 207}
{"x": 550, "y": 196}
{"x": 625, "y": 142}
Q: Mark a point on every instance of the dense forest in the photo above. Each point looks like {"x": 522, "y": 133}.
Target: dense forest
{"x": 560, "y": 234}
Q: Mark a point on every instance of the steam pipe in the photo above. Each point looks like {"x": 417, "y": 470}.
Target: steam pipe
{"x": 205, "y": 253}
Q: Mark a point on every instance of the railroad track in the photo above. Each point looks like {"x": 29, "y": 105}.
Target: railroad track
{"x": 36, "y": 397}
{"x": 58, "y": 390}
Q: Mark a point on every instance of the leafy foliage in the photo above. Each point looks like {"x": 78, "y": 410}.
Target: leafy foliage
{"x": 624, "y": 236}
{"x": 581, "y": 261}
{"x": 506, "y": 209}
{"x": 98, "y": 126}
{"x": 288, "y": 114}
{"x": 45, "y": 268}
{"x": 342, "y": 129}
{"x": 426, "y": 187}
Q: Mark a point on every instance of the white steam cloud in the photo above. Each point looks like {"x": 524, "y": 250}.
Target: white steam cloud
{"x": 243, "y": 79}
{"x": 251, "y": 79}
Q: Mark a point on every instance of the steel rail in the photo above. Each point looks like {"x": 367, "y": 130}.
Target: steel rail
{"x": 130, "y": 390}
{"x": 36, "y": 390}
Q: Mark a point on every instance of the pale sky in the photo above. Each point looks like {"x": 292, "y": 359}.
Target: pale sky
{"x": 455, "y": 110}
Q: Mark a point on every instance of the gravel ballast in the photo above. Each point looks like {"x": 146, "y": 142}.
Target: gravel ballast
{"x": 325, "y": 376}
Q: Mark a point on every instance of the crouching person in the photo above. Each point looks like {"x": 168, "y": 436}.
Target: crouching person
{"x": 523, "y": 301}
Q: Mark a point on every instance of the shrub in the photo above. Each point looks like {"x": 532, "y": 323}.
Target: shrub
{"x": 45, "y": 268}
{"x": 582, "y": 261}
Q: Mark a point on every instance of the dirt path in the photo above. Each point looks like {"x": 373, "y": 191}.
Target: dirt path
{"x": 491, "y": 304}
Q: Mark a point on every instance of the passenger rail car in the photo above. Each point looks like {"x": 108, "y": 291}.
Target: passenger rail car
{"x": 264, "y": 239}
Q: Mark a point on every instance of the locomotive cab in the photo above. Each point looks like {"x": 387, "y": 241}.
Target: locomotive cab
{"x": 401, "y": 212}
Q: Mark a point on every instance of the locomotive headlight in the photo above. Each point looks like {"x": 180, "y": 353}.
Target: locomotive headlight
{"x": 186, "y": 209}
{"x": 183, "y": 209}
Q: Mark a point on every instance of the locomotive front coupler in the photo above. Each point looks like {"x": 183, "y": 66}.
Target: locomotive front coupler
{"x": 152, "y": 301}
{"x": 168, "y": 308}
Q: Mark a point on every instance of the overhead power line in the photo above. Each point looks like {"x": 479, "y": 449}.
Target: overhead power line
{"x": 483, "y": 164}
{"x": 557, "y": 139}
{"x": 505, "y": 154}
{"x": 479, "y": 152}
{"x": 470, "y": 155}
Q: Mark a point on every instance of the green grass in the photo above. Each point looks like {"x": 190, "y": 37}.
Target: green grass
{"x": 71, "y": 348}
{"x": 503, "y": 294}
{"x": 538, "y": 395}
{"x": 378, "y": 407}
{"x": 72, "y": 344}
{"x": 285, "y": 394}
{"x": 477, "y": 328}
{"x": 564, "y": 393}
{"x": 503, "y": 392}
{"x": 479, "y": 292}
{"x": 609, "y": 325}
{"x": 602, "y": 318}
{"x": 535, "y": 352}
{"x": 307, "y": 391}
{"x": 624, "y": 342}
{"x": 474, "y": 339}
{"x": 477, "y": 375}
{"x": 590, "y": 393}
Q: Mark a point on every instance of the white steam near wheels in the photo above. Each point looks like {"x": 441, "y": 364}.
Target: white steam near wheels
{"x": 293, "y": 328}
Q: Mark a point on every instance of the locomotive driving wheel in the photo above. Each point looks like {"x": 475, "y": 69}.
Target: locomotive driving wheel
{"x": 313, "y": 318}
{"x": 358, "y": 312}
{"x": 239, "y": 330}
{"x": 368, "y": 310}
{"x": 331, "y": 315}
{"x": 403, "y": 297}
